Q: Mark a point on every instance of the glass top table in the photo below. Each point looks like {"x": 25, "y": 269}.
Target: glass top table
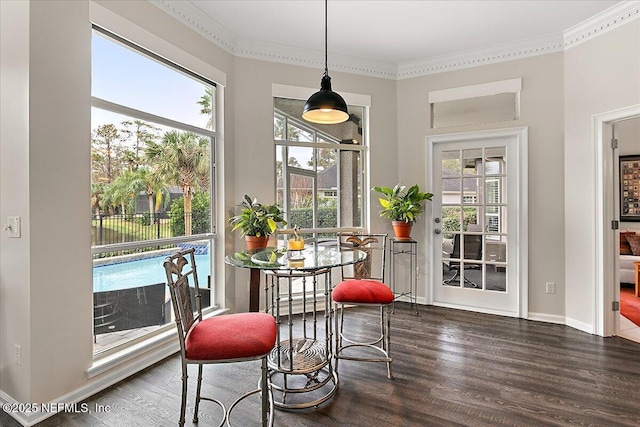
{"x": 298, "y": 295}
{"x": 312, "y": 257}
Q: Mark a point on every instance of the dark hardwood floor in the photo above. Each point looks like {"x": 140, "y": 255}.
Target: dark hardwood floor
{"x": 451, "y": 368}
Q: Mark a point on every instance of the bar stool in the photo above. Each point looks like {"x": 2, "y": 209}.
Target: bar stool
{"x": 221, "y": 339}
{"x": 362, "y": 284}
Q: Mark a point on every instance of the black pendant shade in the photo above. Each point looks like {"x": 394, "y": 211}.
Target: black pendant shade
{"x": 325, "y": 106}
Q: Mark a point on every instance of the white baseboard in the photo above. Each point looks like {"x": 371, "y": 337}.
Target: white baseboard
{"x": 548, "y": 318}
{"x": 113, "y": 376}
{"x": 577, "y": 324}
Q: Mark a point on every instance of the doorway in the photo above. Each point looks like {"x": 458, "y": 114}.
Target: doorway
{"x": 610, "y": 148}
{"x": 477, "y": 234}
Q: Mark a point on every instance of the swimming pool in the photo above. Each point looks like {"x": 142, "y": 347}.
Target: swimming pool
{"x": 141, "y": 272}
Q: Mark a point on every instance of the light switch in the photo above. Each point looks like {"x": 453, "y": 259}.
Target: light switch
{"x": 12, "y": 227}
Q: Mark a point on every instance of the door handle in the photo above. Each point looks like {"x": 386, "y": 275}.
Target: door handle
{"x": 437, "y": 231}
{"x": 436, "y": 220}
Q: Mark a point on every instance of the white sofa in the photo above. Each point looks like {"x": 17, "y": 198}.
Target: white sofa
{"x": 627, "y": 269}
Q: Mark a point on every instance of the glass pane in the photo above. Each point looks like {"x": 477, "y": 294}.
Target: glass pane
{"x": 280, "y": 153}
{"x": 124, "y": 155}
{"x": 495, "y": 190}
{"x": 495, "y": 161}
{"x": 496, "y": 277}
{"x": 451, "y": 191}
{"x": 278, "y": 127}
{"x": 350, "y": 194}
{"x": 495, "y": 248}
{"x": 451, "y": 163}
{"x": 327, "y": 187}
{"x": 451, "y": 220}
{"x": 471, "y": 190}
{"x": 124, "y": 76}
{"x": 296, "y": 133}
{"x": 495, "y": 219}
{"x": 300, "y": 201}
{"x": 130, "y": 292}
{"x": 301, "y": 157}
{"x": 472, "y": 161}
{"x": 470, "y": 219}
{"x": 472, "y": 276}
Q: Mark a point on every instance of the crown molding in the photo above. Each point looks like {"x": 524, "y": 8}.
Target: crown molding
{"x": 193, "y": 17}
{"x": 607, "y": 20}
{"x": 472, "y": 58}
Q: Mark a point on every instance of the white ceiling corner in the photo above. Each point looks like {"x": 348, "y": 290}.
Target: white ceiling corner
{"x": 236, "y": 42}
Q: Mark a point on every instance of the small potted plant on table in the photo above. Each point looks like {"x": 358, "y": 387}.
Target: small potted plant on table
{"x": 257, "y": 222}
{"x": 402, "y": 206}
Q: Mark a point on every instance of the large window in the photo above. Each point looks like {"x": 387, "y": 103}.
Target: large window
{"x": 319, "y": 169}
{"x": 152, "y": 145}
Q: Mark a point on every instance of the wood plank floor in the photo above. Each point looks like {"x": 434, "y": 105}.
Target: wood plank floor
{"x": 451, "y": 368}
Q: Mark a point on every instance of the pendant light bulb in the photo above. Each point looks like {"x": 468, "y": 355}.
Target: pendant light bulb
{"x": 325, "y": 106}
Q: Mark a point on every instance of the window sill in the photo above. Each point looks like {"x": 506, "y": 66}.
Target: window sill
{"x": 142, "y": 354}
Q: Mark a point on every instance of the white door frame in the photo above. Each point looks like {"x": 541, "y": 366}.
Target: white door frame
{"x": 606, "y": 291}
{"x": 521, "y": 261}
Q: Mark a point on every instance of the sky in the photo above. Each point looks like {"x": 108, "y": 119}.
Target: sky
{"x": 125, "y": 77}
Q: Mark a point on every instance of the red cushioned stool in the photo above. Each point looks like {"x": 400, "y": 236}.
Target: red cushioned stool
{"x": 362, "y": 284}
{"x": 222, "y": 339}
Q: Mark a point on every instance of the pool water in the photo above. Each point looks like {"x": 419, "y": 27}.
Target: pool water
{"x": 142, "y": 272}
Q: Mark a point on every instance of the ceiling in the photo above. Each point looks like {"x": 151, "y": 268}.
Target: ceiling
{"x": 383, "y": 36}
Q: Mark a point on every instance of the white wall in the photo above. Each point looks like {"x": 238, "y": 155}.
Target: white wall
{"x": 14, "y": 196}
{"x": 601, "y": 75}
{"x": 541, "y": 110}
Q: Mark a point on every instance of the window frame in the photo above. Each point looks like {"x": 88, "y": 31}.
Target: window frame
{"x": 133, "y": 113}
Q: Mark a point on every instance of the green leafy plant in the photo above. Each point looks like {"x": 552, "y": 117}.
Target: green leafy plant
{"x": 400, "y": 203}
{"x": 256, "y": 219}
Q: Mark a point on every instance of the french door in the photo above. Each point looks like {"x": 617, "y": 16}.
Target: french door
{"x": 477, "y": 232}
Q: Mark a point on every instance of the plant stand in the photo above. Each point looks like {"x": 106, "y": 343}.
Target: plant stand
{"x": 410, "y": 249}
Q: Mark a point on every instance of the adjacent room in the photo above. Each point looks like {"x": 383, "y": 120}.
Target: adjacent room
{"x": 349, "y": 212}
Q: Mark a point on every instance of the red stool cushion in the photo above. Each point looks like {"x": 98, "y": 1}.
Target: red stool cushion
{"x": 362, "y": 292}
{"x": 231, "y": 336}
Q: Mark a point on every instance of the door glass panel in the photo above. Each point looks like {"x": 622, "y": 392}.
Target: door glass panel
{"x": 470, "y": 219}
{"x": 472, "y": 161}
{"x": 471, "y": 190}
{"x": 494, "y": 189}
{"x": 450, "y": 220}
{"x": 450, "y": 190}
{"x": 496, "y": 277}
{"x": 495, "y": 163}
{"x": 451, "y": 163}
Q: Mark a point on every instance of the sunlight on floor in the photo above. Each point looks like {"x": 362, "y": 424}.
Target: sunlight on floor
{"x": 629, "y": 330}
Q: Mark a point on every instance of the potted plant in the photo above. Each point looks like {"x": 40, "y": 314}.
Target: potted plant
{"x": 402, "y": 206}
{"x": 257, "y": 222}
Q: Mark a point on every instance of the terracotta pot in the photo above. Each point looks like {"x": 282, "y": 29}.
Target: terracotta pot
{"x": 255, "y": 242}
{"x": 402, "y": 230}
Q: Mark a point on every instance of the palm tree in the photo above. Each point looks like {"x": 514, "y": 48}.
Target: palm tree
{"x": 207, "y": 102}
{"x": 143, "y": 179}
{"x": 97, "y": 197}
{"x": 182, "y": 159}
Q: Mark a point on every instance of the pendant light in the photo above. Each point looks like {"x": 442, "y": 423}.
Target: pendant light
{"x": 325, "y": 106}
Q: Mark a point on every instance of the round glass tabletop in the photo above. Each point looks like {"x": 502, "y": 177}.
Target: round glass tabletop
{"x": 312, "y": 257}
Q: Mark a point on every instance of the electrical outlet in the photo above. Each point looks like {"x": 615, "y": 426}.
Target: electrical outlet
{"x": 551, "y": 287}
{"x": 16, "y": 355}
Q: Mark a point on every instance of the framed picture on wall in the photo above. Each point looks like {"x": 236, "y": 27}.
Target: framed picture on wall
{"x": 630, "y": 188}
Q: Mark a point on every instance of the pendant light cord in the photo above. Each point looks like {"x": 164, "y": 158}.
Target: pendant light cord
{"x": 326, "y": 61}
